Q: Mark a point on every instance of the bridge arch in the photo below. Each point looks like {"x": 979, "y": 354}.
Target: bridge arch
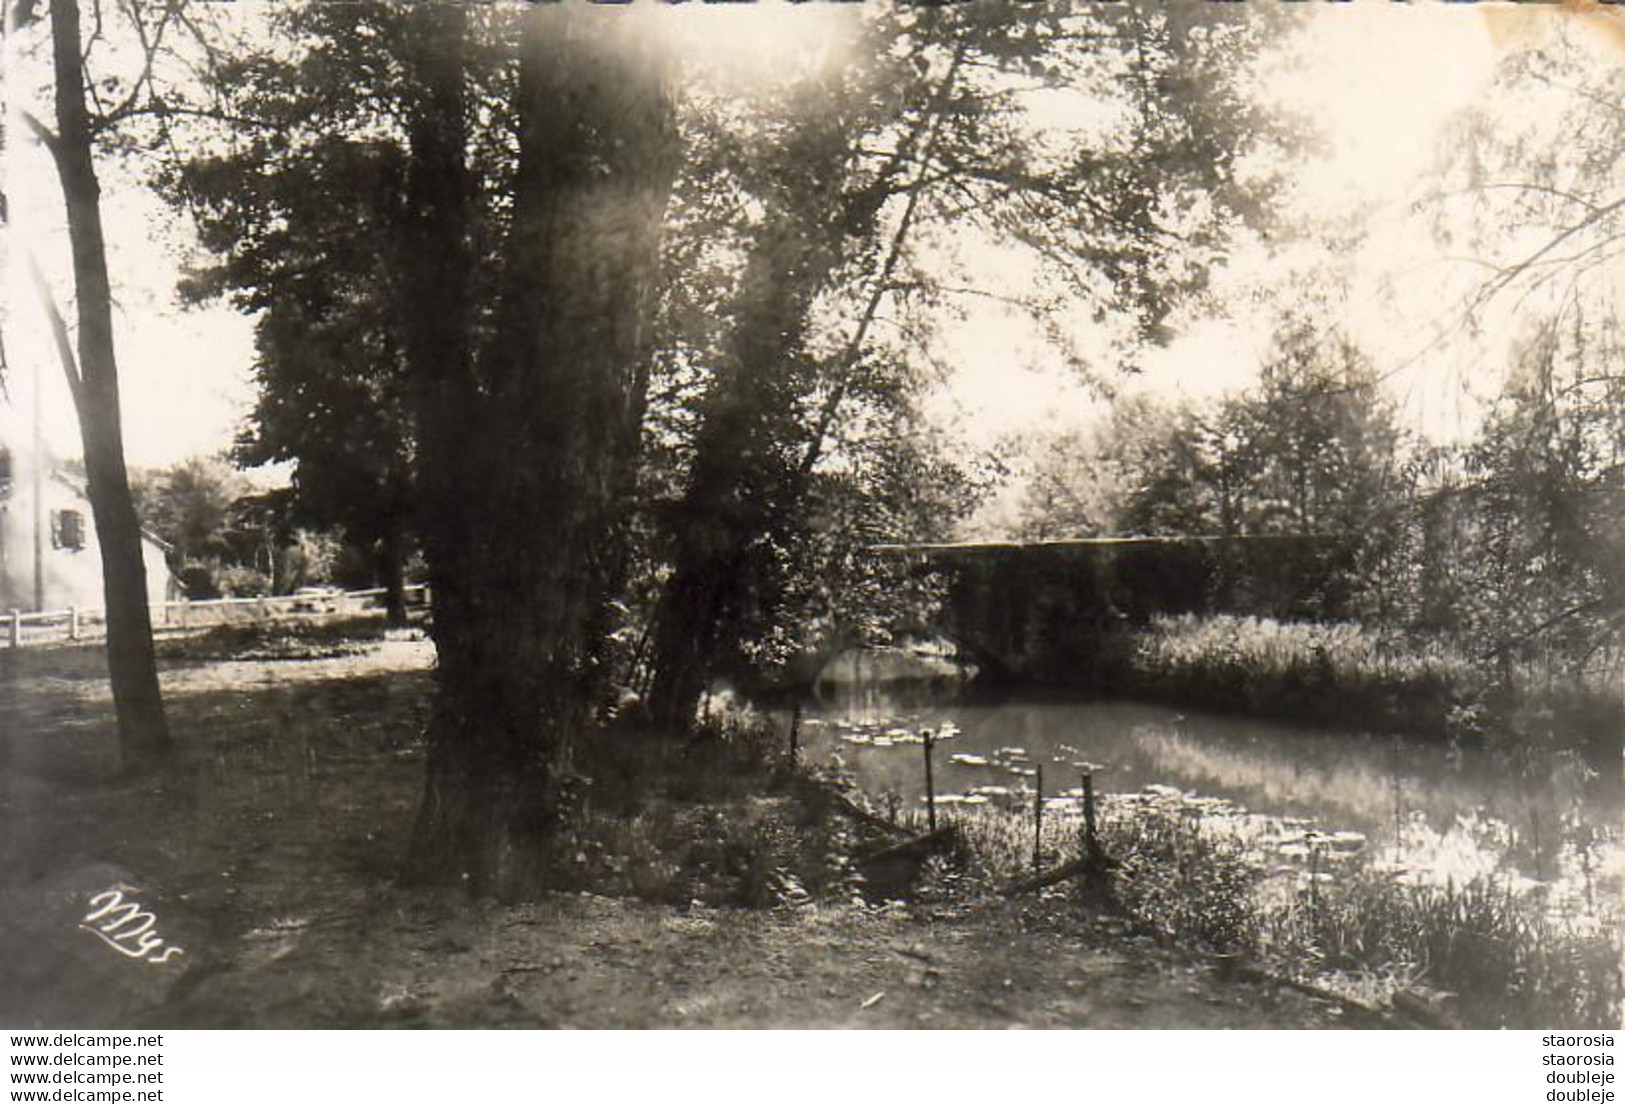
{"x": 1053, "y": 611}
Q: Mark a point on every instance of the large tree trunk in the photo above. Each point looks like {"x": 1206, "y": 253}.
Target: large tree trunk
{"x": 698, "y": 625}
{"x": 143, "y": 728}
{"x": 757, "y": 448}
{"x": 745, "y": 492}
{"x": 740, "y": 494}
{"x": 523, "y": 453}
{"x": 392, "y": 569}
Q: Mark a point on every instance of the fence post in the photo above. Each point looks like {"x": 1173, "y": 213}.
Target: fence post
{"x": 1038, "y": 819}
{"x": 1091, "y": 841}
{"x": 930, "y": 788}
{"x": 73, "y": 622}
{"x": 1313, "y": 838}
{"x": 16, "y": 628}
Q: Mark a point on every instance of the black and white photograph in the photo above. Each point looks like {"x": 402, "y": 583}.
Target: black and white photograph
{"x": 890, "y": 515}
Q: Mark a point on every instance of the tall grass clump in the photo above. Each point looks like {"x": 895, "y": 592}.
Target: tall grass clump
{"x": 1194, "y": 888}
{"x": 1343, "y": 673}
{"x": 1504, "y": 958}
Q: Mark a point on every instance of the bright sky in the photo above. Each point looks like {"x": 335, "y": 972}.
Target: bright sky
{"x": 1380, "y": 80}
{"x": 185, "y": 374}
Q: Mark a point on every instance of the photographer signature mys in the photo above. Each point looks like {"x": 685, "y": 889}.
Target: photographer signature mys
{"x": 127, "y": 928}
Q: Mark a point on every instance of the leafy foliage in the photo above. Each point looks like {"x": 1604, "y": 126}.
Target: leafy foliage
{"x": 1548, "y": 508}
{"x": 1313, "y": 448}
{"x": 792, "y": 398}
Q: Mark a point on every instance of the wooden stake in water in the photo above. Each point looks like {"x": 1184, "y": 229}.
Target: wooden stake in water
{"x": 1091, "y": 841}
{"x": 1313, "y": 839}
{"x": 1399, "y": 810}
{"x": 1038, "y": 819}
{"x": 930, "y": 788}
{"x": 795, "y": 731}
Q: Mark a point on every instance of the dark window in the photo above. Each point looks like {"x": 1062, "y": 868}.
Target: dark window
{"x": 67, "y": 529}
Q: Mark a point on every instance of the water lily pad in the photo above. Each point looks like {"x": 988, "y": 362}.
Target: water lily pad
{"x": 991, "y": 791}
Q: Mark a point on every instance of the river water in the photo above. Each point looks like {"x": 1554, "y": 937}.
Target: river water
{"x": 1429, "y": 812}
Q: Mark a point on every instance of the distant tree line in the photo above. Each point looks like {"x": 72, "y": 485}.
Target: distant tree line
{"x": 227, "y": 538}
{"x": 1509, "y": 542}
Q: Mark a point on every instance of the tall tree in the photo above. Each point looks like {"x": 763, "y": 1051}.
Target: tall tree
{"x": 454, "y": 212}
{"x": 1546, "y": 509}
{"x": 306, "y": 206}
{"x": 92, "y": 371}
{"x": 745, "y": 488}
{"x": 525, "y": 437}
{"x": 1537, "y": 212}
{"x": 1316, "y": 441}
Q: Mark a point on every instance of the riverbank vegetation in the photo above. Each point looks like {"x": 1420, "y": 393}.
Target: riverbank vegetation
{"x": 1323, "y": 910}
{"x": 1369, "y": 678}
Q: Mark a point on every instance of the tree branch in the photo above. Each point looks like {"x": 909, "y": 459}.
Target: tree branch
{"x": 46, "y": 136}
{"x": 1510, "y": 274}
{"x": 854, "y": 349}
{"x": 150, "y": 45}
{"x": 59, "y": 331}
{"x": 1508, "y": 645}
{"x": 1543, "y": 189}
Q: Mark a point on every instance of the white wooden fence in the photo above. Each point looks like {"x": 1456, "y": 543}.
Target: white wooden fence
{"x": 18, "y": 629}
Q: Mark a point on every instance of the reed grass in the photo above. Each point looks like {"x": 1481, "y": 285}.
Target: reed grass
{"x": 1345, "y": 674}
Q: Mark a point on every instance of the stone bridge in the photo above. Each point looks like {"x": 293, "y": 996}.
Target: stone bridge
{"x": 1052, "y": 611}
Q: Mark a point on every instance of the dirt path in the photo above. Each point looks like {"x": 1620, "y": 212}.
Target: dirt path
{"x": 582, "y": 961}
{"x": 267, "y": 852}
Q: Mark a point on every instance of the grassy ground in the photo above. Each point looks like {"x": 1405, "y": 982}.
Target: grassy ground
{"x": 718, "y": 894}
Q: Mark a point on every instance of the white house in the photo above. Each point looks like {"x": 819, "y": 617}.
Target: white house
{"x": 49, "y": 555}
